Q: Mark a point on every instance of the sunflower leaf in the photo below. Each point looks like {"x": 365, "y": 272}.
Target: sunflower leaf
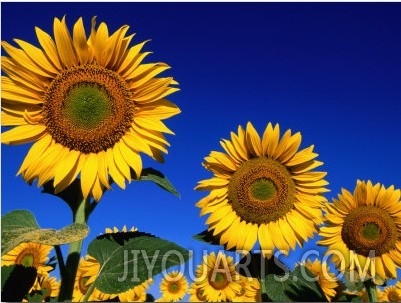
{"x": 296, "y": 286}
{"x": 20, "y": 226}
{"x": 16, "y": 281}
{"x": 132, "y": 262}
{"x": 151, "y": 174}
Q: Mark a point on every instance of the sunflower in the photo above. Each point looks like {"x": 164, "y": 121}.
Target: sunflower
{"x": 263, "y": 189}
{"x": 87, "y": 272}
{"x": 196, "y": 293}
{"x": 326, "y": 279}
{"x": 364, "y": 228}
{"x": 390, "y": 293}
{"x": 173, "y": 287}
{"x": 30, "y": 255}
{"x": 250, "y": 291}
{"x": 49, "y": 287}
{"x": 136, "y": 294}
{"x": 90, "y": 105}
{"x": 217, "y": 279}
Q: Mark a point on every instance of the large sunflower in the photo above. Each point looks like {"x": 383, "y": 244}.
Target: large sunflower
{"x": 173, "y": 287}
{"x": 365, "y": 227}
{"x": 217, "y": 279}
{"x": 30, "y": 255}
{"x": 263, "y": 189}
{"x": 90, "y": 105}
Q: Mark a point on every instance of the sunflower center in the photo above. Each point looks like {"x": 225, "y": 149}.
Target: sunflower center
{"x": 261, "y": 190}
{"x": 82, "y": 284}
{"x": 46, "y": 289}
{"x": 88, "y": 108}
{"x": 87, "y": 105}
{"x": 219, "y": 281}
{"x": 369, "y": 228}
{"x": 174, "y": 287}
{"x": 200, "y": 295}
{"x": 393, "y": 296}
{"x": 27, "y": 260}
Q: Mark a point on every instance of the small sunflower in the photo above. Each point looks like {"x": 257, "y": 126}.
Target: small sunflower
{"x": 217, "y": 279}
{"x": 196, "y": 293}
{"x": 250, "y": 291}
{"x": 263, "y": 189}
{"x": 89, "y": 104}
{"x": 326, "y": 279}
{"x": 30, "y": 255}
{"x": 365, "y": 227}
{"x": 49, "y": 287}
{"x": 136, "y": 294}
{"x": 173, "y": 287}
{"x": 87, "y": 272}
{"x": 390, "y": 293}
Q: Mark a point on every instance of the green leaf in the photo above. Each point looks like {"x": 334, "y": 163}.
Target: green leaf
{"x": 20, "y": 226}
{"x": 130, "y": 263}
{"x": 16, "y": 281}
{"x": 295, "y": 286}
{"x": 255, "y": 265}
{"x": 151, "y": 174}
{"x": 207, "y": 237}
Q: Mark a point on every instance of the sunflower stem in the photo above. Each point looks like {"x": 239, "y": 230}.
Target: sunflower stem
{"x": 60, "y": 261}
{"x": 88, "y": 292}
{"x": 80, "y": 215}
{"x": 371, "y": 290}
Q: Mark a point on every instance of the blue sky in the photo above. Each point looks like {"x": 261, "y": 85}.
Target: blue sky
{"x": 331, "y": 71}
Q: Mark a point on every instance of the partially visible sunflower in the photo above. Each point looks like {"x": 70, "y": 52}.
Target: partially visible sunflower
{"x": 136, "y": 294}
{"x": 89, "y": 104}
{"x": 196, "y": 293}
{"x": 263, "y": 189}
{"x": 87, "y": 272}
{"x": 173, "y": 287}
{"x": 217, "y": 279}
{"x": 49, "y": 287}
{"x": 30, "y": 254}
{"x": 250, "y": 291}
{"x": 390, "y": 293}
{"x": 365, "y": 227}
{"x": 326, "y": 279}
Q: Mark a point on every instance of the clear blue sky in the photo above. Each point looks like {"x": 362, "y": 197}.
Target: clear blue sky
{"x": 331, "y": 71}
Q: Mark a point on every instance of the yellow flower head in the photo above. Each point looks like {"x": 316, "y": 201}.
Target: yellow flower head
{"x": 173, "y": 287}
{"x": 30, "y": 254}
{"x": 364, "y": 230}
{"x": 89, "y": 104}
{"x": 136, "y": 294}
{"x": 390, "y": 293}
{"x": 263, "y": 189}
{"x": 49, "y": 287}
{"x": 217, "y": 279}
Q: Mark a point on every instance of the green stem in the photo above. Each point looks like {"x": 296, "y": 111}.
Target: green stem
{"x": 80, "y": 215}
{"x": 60, "y": 261}
{"x": 370, "y": 287}
{"x": 88, "y": 292}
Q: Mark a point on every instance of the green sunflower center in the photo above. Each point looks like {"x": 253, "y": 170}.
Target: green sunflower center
{"x": 200, "y": 295}
{"x": 88, "y": 108}
{"x": 27, "y": 260}
{"x": 369, "y": 228}
{"x": 261, "y": 190}
{"x": 87, "y": 105}
{"x": 82, "y": 284}
{"x": 174, "y": 287}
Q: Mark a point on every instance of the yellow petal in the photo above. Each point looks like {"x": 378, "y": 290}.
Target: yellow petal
{"x": 132, "y": 158}
{"x": 265, "y": 240}
{"x": 49, "y": 47}
{"x": 88, "y": 174}
{"x": 302, "y": 156}
{"x": 253, "y": 140}
{"x": 120, "y": 162}
{"x": 35, "y": 152}
{"x": 65, "y": 166}
{"x": 115, "y": 174}
{"x": 64, "y": 43}
{"x": 23, "y": 134}
{"x": 270, "y": 139}
{"x": 102, "y": 169}
{"x": 152, "y": 124}
{"x": 80, "y": 43}
{"x": 292, "y": 146}
{"x": 251, "y": 236}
